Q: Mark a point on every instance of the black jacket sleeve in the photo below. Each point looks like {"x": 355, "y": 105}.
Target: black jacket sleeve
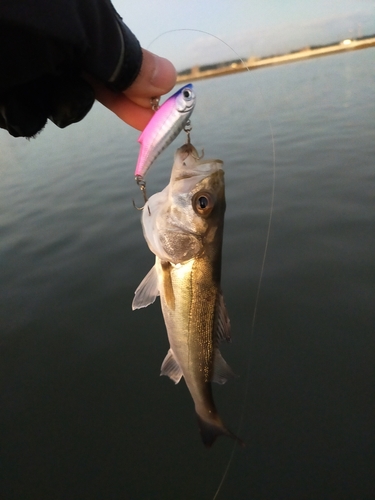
{"x": 44, "y": 48}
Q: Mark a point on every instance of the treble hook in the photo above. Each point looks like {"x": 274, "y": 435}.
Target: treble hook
{"x": 188, "y": 128}
{"x": 142, "y": 186}
{"x": 201, "y": 156}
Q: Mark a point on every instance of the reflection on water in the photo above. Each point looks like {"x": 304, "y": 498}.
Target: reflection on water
{"x": 84, "y": 413}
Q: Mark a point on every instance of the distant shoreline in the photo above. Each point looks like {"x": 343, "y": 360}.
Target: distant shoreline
{"x": 220, "y": 69}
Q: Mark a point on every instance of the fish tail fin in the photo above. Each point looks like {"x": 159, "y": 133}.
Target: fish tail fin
{"x": 211, "y": 430}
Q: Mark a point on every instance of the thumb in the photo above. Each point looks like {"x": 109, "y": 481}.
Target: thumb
{"x": 156, "y": 77}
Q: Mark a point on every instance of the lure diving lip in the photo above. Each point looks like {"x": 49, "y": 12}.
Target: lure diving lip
{"x": 164, "y": 127}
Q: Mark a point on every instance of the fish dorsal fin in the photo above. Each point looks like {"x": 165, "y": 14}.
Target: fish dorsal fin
{"x": 171, "y": 368}
{"x": 222, "y": 321}
{"x": 222, "y": 371}
{"x": 147, "y": 290}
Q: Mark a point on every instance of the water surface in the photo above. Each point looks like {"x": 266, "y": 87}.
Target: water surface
{"x": 84, "y": 413}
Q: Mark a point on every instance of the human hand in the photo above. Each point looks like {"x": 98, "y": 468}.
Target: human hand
{"x": 56, "y": 73}
{"x": 68, "y": 100}
{"x": 156, "y": 77}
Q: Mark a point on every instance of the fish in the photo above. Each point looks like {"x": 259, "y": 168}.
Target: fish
{"x": 184, "y": 229}
{"x": 164, "y": 127}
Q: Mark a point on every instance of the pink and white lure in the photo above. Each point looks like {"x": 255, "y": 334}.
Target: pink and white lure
{"x": 163, "y": 128}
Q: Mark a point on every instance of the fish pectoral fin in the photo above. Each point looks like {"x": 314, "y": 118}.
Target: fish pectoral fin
{"x": 147, "y": 291}
{"x": 222, "y": 371}
{"x": 171, "y": 368}
{"x": 222, "y": 321}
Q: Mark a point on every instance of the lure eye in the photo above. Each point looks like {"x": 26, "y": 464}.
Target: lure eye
{"x": 187, "y": 93}
{"x": 203, "y": 204}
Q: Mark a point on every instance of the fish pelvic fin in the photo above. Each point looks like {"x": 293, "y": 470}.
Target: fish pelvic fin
{"x": 171, "y": 368}
{"x": 147, "y": 291}
{"x": 211, "y": 430}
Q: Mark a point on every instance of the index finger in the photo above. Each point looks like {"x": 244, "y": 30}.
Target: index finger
{"x": 130, "y": 112}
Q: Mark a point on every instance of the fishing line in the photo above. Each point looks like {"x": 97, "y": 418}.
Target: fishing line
{"x": 272, "y": 201}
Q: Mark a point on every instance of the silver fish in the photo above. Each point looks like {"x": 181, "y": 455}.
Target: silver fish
{"x": 184, "y": 229}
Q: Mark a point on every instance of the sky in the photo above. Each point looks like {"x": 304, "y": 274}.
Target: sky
{"x": 250, "y": 27}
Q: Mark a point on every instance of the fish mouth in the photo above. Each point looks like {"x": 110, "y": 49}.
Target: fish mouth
{"x": 187, "y": 149}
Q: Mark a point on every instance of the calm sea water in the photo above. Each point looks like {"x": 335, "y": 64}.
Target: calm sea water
{"x": 83, "y": 411}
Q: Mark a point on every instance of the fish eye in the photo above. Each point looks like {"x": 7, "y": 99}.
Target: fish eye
{"x": 187, "y": 93}
{"x": 203, "y": 204}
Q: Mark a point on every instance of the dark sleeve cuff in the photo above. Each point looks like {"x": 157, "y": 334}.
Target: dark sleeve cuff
{"x": 129, "y": 63}
{"x": 112, "y": 53}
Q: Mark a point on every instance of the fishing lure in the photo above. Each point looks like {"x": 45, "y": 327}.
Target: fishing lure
{"x": 162, "y": 129}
